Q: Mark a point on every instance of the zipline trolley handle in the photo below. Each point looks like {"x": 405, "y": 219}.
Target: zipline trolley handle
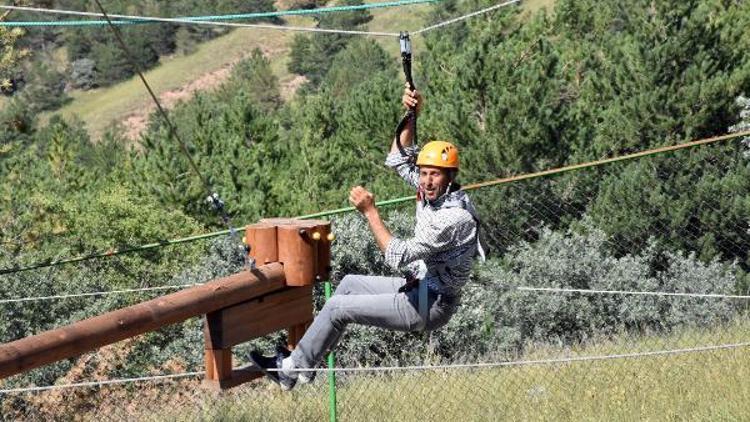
{"x": 411, "y": 115}
{"x": 405, "y": 43}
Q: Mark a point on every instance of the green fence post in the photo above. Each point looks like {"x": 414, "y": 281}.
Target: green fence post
{"x": 331, "y": 373}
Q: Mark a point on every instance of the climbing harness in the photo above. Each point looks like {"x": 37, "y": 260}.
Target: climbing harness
{"x": 411, "y": 115}
{"x": 412, "y": 282}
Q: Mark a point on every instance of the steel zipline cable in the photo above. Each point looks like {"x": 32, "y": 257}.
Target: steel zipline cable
{"x": 467, "y": 16}
{"x": 133, "y": 20}
{"x": 211, "y": 20}
{"x": 627, "y": 293}
{"x": 389, "y": 202}
{"x": 95, "y": 294}
{"x": 208, "y": 23}
{"x": 505, "y": 288}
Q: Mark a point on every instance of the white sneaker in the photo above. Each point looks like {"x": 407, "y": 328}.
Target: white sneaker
{"x": 287, "y": 365}
{"x": 270, "y": 366}
{"x": 306, "y": 377}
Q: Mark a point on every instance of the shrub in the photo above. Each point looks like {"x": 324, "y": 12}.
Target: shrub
{"x": 355, "y": 250}
{"x": 45, "y": 89}
{"x": 583, "y": 261}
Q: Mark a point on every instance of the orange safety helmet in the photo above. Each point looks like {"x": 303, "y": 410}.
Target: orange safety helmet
{"x": 438, "y": 154}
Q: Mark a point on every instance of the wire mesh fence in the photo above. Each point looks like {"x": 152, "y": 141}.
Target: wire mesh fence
{"x": 692, "y": 374}
{"x": 692, "y": 200}
{"x": 696, "y": 371}
{"x": 615, "y": 292}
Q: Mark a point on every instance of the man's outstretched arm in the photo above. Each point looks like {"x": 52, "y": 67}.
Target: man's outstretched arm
{"x": 410, "y": 99}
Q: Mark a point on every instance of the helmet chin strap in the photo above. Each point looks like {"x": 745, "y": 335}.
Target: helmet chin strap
{"x": 441, "y": 194}
{"x": 447, "y": 189}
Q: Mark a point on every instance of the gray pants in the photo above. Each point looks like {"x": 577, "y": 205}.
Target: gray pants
{"x": 369, "y": 300}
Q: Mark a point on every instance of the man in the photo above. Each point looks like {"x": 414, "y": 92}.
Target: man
{"x": 437, "y": 260}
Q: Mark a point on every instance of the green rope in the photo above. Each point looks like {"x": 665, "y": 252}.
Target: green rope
{"x": 112, "y": 252}
{"x": 257, "y": 15}
{"x": 345, "y": 210}
{"x": 390, "y": 202}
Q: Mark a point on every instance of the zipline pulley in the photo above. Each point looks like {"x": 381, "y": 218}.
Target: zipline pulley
{"x": 405, "y": 43}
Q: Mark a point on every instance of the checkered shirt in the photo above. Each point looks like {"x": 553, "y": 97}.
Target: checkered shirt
{"x": 445, "y": 236}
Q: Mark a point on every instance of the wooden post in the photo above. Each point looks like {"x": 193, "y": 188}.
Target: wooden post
{"x": 218, "y": 364}
{"x": 294, "y": 335}
{"x": 223, "y": 329}
{"x": 304, "y": 249}
{"x": 324, "y": 251}
{"x": 303, "y": 246}
{"x": 263, "y": 245}
{"x": 299, "y": 253}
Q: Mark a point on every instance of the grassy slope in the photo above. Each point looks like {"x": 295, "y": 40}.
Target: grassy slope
{"x": 100, "y": 108}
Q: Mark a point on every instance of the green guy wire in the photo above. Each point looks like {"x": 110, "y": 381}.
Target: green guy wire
{"x": 331, "y": 373}
{"x": 111, "y": 252}
{"x": 145, "y": 20}
{"x": 345, "y": 210}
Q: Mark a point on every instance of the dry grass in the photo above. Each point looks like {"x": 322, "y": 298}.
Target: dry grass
{"x": 694, "y": 386}
{"x": 706, "y": 385}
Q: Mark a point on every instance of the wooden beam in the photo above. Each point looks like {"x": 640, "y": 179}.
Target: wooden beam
{"x": 89, "y": 334}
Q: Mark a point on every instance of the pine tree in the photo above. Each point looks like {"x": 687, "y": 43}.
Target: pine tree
{"x": 255, "y": 77}
{"x": 231, "y": 142}
{"x": 311, "y": 56}
{"x": 45, "y": 89}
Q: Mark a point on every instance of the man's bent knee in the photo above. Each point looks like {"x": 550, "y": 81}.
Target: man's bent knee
{"x": 347, "y": 284}
{"x": 337, "y": 311}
